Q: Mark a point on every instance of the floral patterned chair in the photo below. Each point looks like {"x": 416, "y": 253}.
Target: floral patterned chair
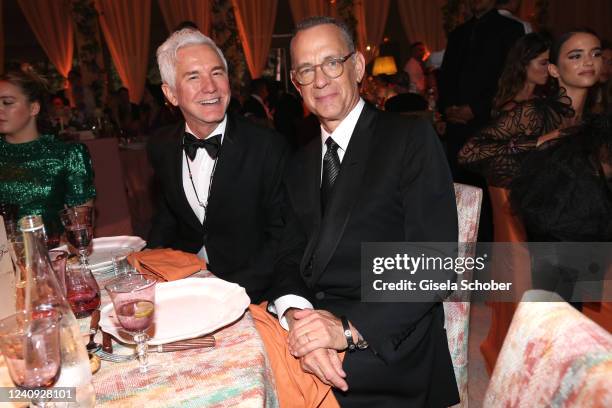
{"x": 553, "y": 356}
{"x": 457, "y": 306}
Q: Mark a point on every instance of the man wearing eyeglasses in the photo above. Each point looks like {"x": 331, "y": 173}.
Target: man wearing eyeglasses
{"x": 371, "y": 177}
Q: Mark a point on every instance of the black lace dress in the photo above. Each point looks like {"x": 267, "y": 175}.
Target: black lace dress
{"x": 563, "y": 191}
{"x": 497, "y": 150}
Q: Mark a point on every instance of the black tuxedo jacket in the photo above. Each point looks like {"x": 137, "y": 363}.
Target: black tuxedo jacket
{"x": 473, "y": 62}
{"x": 394, "y": 185}
{"x": 244, "y": 221}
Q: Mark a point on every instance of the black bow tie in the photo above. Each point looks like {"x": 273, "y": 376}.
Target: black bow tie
{"x": 211, "y": 144}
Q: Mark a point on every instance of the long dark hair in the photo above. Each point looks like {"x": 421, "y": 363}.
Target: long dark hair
{"x": 513, "y": 77}
{"x": 35, "y": 89}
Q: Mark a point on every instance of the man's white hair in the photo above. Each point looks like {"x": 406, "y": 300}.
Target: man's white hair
{"x": 166, "y": 53}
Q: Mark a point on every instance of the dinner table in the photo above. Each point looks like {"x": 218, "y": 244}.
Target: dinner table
{"x": 234, "y": 373}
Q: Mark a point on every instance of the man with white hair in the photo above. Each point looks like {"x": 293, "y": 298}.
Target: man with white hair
{"x": 219, "y": 175}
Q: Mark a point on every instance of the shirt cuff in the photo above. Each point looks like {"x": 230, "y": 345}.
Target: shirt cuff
{"x": 280, "y": 306}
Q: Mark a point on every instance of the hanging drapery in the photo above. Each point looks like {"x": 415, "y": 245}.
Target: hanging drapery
{"x": 422, "y": 21}
{"x": 255, "y": 21}
{"x": 565, "y": 15}
{"x": 126, "y": 27}
{"x": 301, "y": 9}
{"x": 1, "y": 39}
{"x": 371, "y": 16}
{"x": 177, "y": 11}
{"x": 51, "y": 23}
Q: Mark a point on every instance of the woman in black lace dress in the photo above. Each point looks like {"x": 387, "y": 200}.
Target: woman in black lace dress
{"x": 530, "y": 128}
{"x": 563, "y": 191}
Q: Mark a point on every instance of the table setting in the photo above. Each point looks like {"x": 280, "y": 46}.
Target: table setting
{"x": 161, "y": 330}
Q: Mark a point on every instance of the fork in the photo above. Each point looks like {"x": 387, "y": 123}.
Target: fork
{"x": 115, "y": 358}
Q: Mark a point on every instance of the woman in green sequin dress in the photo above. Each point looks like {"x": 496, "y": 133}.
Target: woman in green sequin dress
{"x": 39, "y": 174}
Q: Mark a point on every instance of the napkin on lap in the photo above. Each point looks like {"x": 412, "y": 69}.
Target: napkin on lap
{"x": 166, "y": 264}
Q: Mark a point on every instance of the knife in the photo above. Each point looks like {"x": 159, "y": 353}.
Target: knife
{"x": 199, "y": 342}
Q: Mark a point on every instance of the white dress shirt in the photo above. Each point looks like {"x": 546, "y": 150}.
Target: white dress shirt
{"x": 342, "y": 136}
{"x": 201, "y": 169}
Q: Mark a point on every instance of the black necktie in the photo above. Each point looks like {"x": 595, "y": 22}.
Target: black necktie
{"x": 211, "y": 144}
{"x": 331, "y": 168}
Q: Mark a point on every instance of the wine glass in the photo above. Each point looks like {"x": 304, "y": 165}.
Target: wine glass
{"x": 82, "y": 291}
{"x": 78, "y": 223}
{"x": 133, "y": 298}
{"x": 31, "y": 348}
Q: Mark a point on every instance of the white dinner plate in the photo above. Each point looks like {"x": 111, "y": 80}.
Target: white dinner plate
{"x": 185, "y": 309}
{"x": 101, "y": 254}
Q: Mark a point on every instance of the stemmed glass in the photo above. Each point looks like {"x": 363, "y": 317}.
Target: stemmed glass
{"x": 31, "y": 349}
{"x": 133, "y": 298}
{"x": 78, "y": 223}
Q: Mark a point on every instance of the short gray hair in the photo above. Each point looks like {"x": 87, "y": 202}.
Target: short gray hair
{"x": 166, "y": 53}
{"x": 321, "y": 20}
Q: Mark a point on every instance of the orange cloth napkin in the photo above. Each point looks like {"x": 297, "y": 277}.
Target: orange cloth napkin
{"x": 294, "y": 387}
{"x": 166, "y": 264}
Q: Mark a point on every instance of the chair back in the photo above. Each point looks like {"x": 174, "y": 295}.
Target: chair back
{"x": 554, "y": 356}
{"x": 457, "y": 306}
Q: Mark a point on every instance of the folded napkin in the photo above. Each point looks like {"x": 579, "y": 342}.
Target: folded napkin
{"x": 294, "y": 387}
{"x": 166, "y": 264}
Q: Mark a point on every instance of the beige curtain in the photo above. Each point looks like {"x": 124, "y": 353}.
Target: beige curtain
{"x": 371, "y": 16}
{"x": 126, "y": 25}
{"x": 51, "y": 23}
{"x": 1, "y": 39}
{"x": 422, "y": 21}
{"x": 255, "y": 21}
{"x": 177, "y": 11}
{"x": 301, "y": 9}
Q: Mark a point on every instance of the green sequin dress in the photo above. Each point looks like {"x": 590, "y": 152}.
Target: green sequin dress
{"x": 44, "y": 175}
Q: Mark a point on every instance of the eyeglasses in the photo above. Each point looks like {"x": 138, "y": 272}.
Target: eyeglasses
{"x": 332, "y": 68}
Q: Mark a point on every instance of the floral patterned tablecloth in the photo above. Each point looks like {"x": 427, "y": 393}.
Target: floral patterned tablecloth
{"x": 235, "y": 373}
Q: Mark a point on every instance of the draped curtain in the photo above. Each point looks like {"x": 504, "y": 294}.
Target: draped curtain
{"x": 527, "y": 10}
{"x": 126, "y": 27}
{"x": 255, "y": 21}
{"x": 301, "y": 9}
{"x": 422, "y": 21}
{"x": 564, "y": 15}
{"x": 51, "y": 23}
{"x": 371, "y": 16}
{"x": 177, "y": 11}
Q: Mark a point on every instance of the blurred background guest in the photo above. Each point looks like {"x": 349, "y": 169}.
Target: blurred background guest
{"x": 525, "y": 73}
{"x": 38, "y": 173}
{"x": 600, "y": 96}
{"x": 125, "y": 114}
{"x": 415, "y": 69}
{"x": 398, "y": 97}
{"x": 255, "y": 107}
{"x": 473, "y": 61}
{"x": 81, "y": 97}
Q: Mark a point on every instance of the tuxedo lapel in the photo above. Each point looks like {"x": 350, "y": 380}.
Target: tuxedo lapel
{"x": 346, "y": 191}
{"x": 308, "y": 197}
{"x": 183, "y": 205}
{"x": 228, "y": 165}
